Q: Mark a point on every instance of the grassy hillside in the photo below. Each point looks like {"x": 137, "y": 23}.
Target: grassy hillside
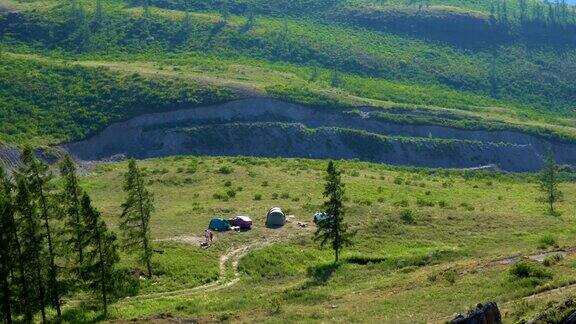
{"x": 351, "y": 51}
{"x": 425, "y": 248}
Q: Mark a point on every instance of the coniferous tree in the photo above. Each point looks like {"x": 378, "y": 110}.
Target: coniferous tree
{"x": 315, "y": 72}
{"x": 146, "y": 9}
{"x": 493, "y": 20}
{"x": 225, "y": 11}
{"x": 523, "y": 4}
{"x": 135, "y": 218}
{"x": 102, "y": 255}
{"x": 19, "y": 284}
{"x": 250, "y": 19}
{"x": 98, "y": 15}
{"x": 549, "y": 182}
{"x": 71, "y": 201}
{"x": 38, "y": 175}
{"x": 333, "y": 229}
{"x": 7, "y": 256}
{"x": 30, "y": 231}
{"x": 504, "y": 14}
{"x": 335, "y": 79}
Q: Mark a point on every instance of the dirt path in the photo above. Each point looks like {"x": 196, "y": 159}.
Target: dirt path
{"x": 229, "y": 260}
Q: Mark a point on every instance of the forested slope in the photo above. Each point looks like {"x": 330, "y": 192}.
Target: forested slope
{"x": 513, "y": 61}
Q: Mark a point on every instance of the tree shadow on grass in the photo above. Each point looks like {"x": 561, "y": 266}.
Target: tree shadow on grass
{"x": 82, "y": 314}
{"x": 320, "y": 274}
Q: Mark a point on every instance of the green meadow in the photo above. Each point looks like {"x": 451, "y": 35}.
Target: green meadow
{"x": 427, "y": 245}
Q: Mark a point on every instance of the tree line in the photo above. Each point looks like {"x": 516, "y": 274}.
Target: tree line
{"x": 55, "y": 242}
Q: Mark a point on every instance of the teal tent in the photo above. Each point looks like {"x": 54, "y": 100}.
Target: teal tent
{"x": 219, "y": 224}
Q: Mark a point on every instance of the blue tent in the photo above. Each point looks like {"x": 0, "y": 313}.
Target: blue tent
{"x": 219, "y": 224}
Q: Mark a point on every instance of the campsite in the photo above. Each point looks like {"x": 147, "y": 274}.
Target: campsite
{"x": 447, "y": 249}
{"x": 288, "y": 161}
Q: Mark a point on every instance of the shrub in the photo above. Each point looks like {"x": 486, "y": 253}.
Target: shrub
{"x": 450, "y": 276}
{"x": 275, "y": 305}
{"x": 264, "y": 183}
{"x": 285, "y": 195}
{"x": 257, "y": 197}
{"x": 525, "y": 269}
{"x": 546, "y": 241}
{"x": 402, "y": 203}
{"x": 424, "y": 203}
{"x": 442, "y": 204}
{"x": 225, "y": 169}
{"x": 552, "y": 260}
{"x": 220, "y": 196}
{"x": 407, "y": 216}
{"x": 231, "y": 193}
{"x": 274, "y": 195}
{"x": 228, "y": 183}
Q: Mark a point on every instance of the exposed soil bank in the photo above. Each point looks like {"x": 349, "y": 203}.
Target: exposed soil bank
{"x": 267, "y": 127}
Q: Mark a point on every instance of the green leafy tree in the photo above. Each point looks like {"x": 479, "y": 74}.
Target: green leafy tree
{"x": 75, "y": 228}
{"x": 38, "y": 175}
{"x": 549, "y": 180}
{"x": 102, "y": 255}
{"x": 333, "y": 229}
{"x": 135, "y": 218}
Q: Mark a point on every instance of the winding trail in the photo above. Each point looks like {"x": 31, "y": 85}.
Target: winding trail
{"x": 229, "y": 260}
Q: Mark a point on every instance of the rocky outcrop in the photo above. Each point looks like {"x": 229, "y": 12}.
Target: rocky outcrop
{"x": 267, "y": 127}
{"x": 482, "y": 314}
{"x": 9, "y": 157}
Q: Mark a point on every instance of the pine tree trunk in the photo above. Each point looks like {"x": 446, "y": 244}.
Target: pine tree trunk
{"x": 144, "y": 234}
{"x": 25, "y": 300}
{"x": 53, "y": 272}
{"x": 102, "y": 277}
{"x": 6, "y": 299}
{"x": 42, "y": 292}
{"x": 78, "y": 234}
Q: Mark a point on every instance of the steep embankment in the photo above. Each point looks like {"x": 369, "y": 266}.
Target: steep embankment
{"x": 266, "y": 127}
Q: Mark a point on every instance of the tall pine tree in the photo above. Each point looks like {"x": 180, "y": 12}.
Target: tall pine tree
{"x": 19, "y": 285}
{"x": 30, "y": 231}
{"x": 7, "y": 257}
{"x": 333, "y": 229}
{"x": 135, "y": 218}
{"x": 38, "y": 175}
{"x": 102, "y": 255}
{"x": 549, "y": 182}
{"x": 71, "y": 202}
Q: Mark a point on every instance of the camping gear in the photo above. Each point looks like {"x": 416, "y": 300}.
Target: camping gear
{"x": 319, "y": 217}
{"x": 275, "y": 217}
{"x": 219, "y": 224}
{"x": 244, "y": 222}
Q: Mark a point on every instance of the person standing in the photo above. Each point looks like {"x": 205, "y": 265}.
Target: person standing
{"x": 207, "y": 236}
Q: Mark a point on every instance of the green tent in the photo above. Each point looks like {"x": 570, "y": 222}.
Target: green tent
{"x": 219, "y": 224}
